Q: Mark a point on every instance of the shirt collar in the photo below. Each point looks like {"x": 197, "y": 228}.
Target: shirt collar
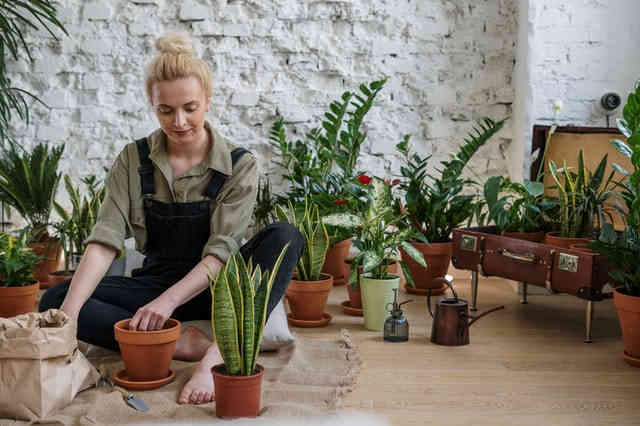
{"x": 219, "y": 156}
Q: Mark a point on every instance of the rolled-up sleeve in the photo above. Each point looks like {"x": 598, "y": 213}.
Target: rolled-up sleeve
{"x": 233, "y": 210}
{"x": 112, "y": 222}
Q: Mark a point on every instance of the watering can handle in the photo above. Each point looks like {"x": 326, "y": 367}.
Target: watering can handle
{"x": 448, "y": 280}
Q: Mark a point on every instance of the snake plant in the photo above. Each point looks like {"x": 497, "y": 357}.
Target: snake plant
{"x": 240, "y": 293}
{"x": 314, "y": 232}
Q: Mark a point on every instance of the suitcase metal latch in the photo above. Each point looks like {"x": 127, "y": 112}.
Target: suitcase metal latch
{"x": 568, "y": 262}
{"x": 468, "y": 242}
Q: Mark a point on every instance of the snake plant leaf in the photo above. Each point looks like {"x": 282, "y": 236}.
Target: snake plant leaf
{"x": 261, "y": 301}
{"x": 237, "y": 274}
{"x": 414, "y": 253}
{"x": 407, "y": 274}
{"x": 249, "y": 323}
{"x": 620, "y": 169}
{"x": 224, "y": 320}
{"x": 345, "y": 220}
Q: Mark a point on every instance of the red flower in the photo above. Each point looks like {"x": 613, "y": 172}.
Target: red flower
{"x": 364, "y": 179}
{"x": 340, "y": 201}
{"x": 395, "y": 182}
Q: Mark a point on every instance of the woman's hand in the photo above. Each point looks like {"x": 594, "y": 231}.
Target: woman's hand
{"x": 153, "y": 315}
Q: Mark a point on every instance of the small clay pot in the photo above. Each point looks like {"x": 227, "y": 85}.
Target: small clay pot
{"x": 355, "y": 297}
{"x": 237, "y": 396}
{"x": 534, "y": 237}
{"x": 308, "y": 299}
{"x": 18, "y": 300}
{"x": 334, "y": 262}
{"x": 58, "y": 277}
{"x": 51, "y": 259}
{"x": 438, "y": 258}
{"x": 553, "y": 239}
{"x": 147, "y": 354}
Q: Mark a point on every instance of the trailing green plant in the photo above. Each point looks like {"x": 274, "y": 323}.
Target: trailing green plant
{"x": 17, "y": 261}
{"x": 314, "y": 232}
{"x": 582, "y": 198}
{"x": 323, "y": 164}
{"x": 17, "y": 16}
{"x": 77, "y": 224}
{"x": 29, "y": 183}
{"x": 378, "y": 237}
{"x": 240, "y": 294}
{"x": 435, "y": 204}
{"x": 623, "y": 249}
{"x": 515, "y": 206}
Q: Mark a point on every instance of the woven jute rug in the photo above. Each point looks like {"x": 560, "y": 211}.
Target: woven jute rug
{"x": 306, "y": 379}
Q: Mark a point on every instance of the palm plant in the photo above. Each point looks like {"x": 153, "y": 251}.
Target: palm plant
{"x": 15, "y": 17}
{"x": 434, "y": 205}
{"x": 29, "y": 182}
{"x": 240, "y": 294}
{"x": 314, "y": 232}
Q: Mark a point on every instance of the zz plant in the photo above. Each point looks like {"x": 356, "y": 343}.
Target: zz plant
{"x": 435, "y": 204}
{"x": 378, "y": 237}
{"x": 240, "y": 294}
{"x": 515, "y": 206}
{"x": 315, "y": 235}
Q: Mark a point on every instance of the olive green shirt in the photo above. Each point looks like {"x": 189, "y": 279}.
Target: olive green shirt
{"x": 122, "y": 213}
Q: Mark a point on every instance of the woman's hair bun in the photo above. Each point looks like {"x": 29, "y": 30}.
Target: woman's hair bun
{"x": 175, "y": 43}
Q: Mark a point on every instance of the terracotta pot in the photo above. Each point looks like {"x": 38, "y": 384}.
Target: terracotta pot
{"x": 58, "y": 277}
{"x": 18, "y": 300}
{"x": 51, "y": 252}
{"x": 629, "y": 315}
{"x": 237, "y": 396}
{"x": 308, "y": 299}
{"x": 552, "y": 239}
{"x": 583, "y": 247}
{"x": 438, "y": 258}
{"x": 534, "y": 237}
{"x": 355, "y": 297}
{"x": 334, "y": 262}
{"x": 147, "y": 354}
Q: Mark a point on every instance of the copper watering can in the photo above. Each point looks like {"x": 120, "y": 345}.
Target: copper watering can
{"x": 452, "y": 320}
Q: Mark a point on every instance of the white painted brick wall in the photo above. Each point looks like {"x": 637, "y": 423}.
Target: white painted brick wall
{"x": 448, "y": 62}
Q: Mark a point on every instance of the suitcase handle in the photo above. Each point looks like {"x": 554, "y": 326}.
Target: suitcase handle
{"x": 524, "y": 257}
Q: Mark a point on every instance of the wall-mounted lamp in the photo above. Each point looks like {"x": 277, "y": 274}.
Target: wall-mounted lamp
{"x": 610, "y": 102}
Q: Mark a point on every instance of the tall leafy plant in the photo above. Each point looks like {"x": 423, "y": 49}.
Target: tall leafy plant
{"x": 315, "y": 235}
{"x": 515, "y": 206}
{"x": 623, "y": 249}
{"x": 16, "y": 16}
{"x": 436, "y": 203}
{"x": 378, "y": 237}
{"x": 29, "y": 182}
{"x": 240, "y": 294}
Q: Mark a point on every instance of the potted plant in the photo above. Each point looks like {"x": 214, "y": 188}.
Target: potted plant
{"x": 28, "y": 183}
{"x": 581, "y": 199}
{"x": 64, "y": 232}
{"x": 240, "y": 293}
{"x": 517, "y": 209}
{"x": 309, "y": 288}
{"x": 322, "y": 166}
{"x": 623, "y": 249}
{"x": 18, "y": 288}
{"x": 435, "y": 204}
{"x": 378, "y": 240}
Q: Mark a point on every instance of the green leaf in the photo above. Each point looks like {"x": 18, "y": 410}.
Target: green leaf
{"x": 346, "y": 220}
{"x": 225, "y": 325}
{"x": 414, "y": 253}
{"x": 407, "y": 274}
{"x": 370, "y": 260}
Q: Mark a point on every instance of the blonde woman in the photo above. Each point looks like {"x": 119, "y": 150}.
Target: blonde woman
{"x": 186, "y": 194}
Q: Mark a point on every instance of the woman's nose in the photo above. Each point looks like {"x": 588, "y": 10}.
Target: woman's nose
{"x": 179, "y": 119}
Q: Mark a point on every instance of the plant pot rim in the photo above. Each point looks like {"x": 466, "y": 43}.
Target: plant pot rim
{"x": 556, "y": 234}
{"x": 124, "y": 336}
{"x": 217, "y": 369}
{"x": 392, "y": 277}
{"x": 622, "y": 291}
{"x": 323, "y": 277}
{"x": 120, "y": 327}
{"x": 26, "y": 288}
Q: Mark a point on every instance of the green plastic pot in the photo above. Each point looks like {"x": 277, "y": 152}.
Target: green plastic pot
{"x": 376, "y": 294}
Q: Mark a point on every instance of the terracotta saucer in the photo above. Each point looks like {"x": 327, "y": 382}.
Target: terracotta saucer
{"x": 347, "y": 309}
{"x": 630, "y": 360}
{"x": 123, "y": 380}
{"x": 425, "y": 291}
{"x": 309, "y": 324}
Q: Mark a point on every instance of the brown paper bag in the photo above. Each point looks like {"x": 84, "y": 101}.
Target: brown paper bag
{"x": 41, "y": 368}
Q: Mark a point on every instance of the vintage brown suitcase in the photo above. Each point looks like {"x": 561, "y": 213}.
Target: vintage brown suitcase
{"x": 482, "y": 250}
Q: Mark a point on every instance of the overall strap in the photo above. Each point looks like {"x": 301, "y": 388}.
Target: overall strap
{"x": 146, "y": 168}
{"x": 218, "y": 179}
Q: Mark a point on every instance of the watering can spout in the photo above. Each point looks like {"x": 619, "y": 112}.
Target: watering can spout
{"x": 476, "y": 318}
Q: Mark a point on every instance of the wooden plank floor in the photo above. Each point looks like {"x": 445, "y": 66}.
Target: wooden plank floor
{"x": 526, "y": 365}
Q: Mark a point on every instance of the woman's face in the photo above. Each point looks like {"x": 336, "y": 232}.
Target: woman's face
{"x": 180, "y": 106}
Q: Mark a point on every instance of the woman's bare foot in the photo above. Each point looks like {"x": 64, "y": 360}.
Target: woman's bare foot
{"x": 199, "y": 389}
{"x": 192, "y": 345}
